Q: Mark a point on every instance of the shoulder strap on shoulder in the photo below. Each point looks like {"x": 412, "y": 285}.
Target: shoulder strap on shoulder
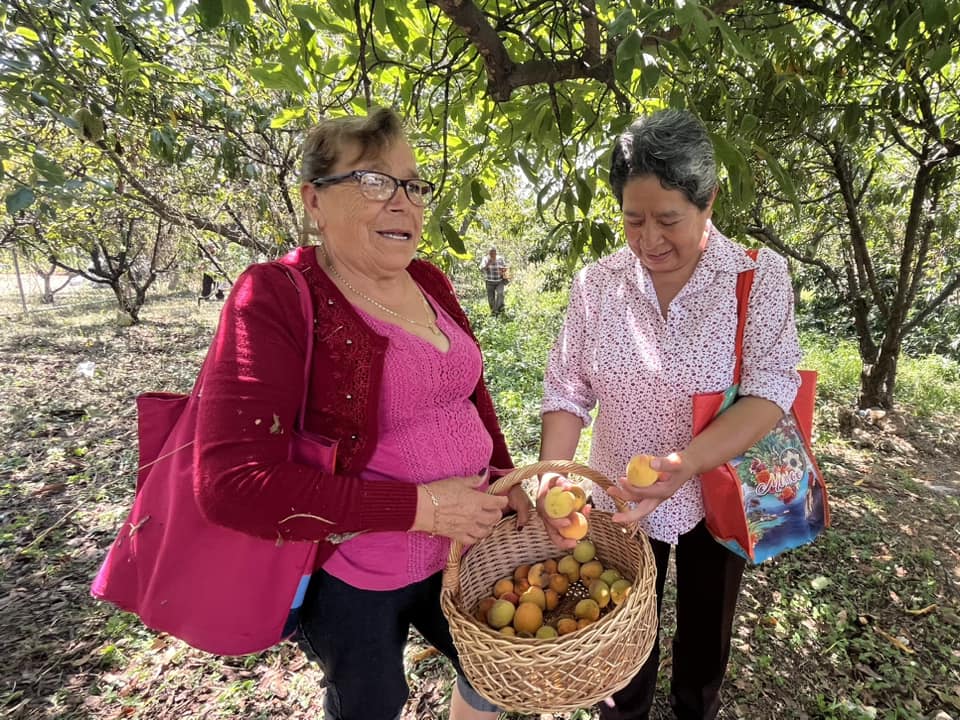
{"x": 294, "y": 273}
{"x": 744, "y": 283}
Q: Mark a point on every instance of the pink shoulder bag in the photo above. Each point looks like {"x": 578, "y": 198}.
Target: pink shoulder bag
{"x": 217, "y": 589}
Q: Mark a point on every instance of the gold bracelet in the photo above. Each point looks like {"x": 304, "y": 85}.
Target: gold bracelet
{"x": 436, "y": 509}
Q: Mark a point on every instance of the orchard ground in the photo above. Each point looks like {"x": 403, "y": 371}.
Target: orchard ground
{"x": 864, "y": 623}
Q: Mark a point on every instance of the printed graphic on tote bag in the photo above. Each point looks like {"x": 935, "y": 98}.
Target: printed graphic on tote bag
{"x": 782, "y": 495}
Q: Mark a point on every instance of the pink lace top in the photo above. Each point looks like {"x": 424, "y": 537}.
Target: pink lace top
{"x": 428, "y": 430}
{"x": 616, "y": 350}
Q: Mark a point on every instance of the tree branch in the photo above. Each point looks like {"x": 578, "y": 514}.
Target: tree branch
{"x": 933, "y": 305}
{"x": 768, "y": 236}
{"x": 504, "y": 75}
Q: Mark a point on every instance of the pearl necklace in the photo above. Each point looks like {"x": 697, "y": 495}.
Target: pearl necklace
{"x": 430, "y": 325}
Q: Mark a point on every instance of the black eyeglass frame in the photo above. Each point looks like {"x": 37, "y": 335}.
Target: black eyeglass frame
{"x": 397, "y": 184}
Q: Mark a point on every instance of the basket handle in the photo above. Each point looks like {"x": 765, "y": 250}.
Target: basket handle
{"x": 451, "y": 578}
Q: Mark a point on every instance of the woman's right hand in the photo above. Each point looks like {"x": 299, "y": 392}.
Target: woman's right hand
{"x": 463, "y": 511}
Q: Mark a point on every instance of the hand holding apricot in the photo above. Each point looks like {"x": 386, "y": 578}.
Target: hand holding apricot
{"x": 639, "y": 472}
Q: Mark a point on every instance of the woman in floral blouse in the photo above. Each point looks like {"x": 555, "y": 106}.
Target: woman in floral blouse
{"x": 647, "y": 328}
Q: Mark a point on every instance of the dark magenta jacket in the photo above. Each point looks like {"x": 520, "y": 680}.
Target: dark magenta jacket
{"x": 251, "y": 395}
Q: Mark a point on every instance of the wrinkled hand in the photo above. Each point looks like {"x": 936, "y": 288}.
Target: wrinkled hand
{"x": 553, "y": 525}
{"x": 674, "y": 471}
{"x": 466, "y": 513}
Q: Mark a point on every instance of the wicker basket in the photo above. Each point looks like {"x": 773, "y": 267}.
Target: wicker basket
{"x": 526, "y": 675}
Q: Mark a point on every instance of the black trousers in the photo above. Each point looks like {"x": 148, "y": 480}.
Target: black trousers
{"x": 708, "y": 583}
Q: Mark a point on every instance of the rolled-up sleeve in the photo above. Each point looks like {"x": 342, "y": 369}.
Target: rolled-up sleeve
{"x": 566, "y": 383}
{"x": 771, "y": 348}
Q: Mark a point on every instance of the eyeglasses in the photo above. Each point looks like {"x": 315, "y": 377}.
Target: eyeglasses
{"x": 382, "y": 187}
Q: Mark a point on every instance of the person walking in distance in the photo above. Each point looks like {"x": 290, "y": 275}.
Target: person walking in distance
{"x": 496, "y": 274}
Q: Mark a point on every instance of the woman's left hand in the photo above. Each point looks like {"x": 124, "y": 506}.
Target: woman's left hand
{"x": 675, "y": 469}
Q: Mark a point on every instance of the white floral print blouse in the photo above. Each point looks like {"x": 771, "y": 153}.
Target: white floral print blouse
{"x": 617, "y": 352}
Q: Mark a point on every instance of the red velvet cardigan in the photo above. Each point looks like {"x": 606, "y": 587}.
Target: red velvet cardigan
{"x": 251, "y": 395}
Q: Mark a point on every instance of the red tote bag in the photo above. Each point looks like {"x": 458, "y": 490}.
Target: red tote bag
{"x": 217, "y": 589}
{"x": 773, "y": 497}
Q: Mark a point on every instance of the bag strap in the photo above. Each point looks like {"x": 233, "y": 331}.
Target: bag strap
{"x": 744, "y": 283}
{"x": 306, "y": 310}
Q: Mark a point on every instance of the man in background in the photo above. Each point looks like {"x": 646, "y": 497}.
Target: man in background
{"x": 496, "y": 274}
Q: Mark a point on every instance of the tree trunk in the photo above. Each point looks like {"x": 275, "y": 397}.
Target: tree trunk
{"x": 878, "y": 380}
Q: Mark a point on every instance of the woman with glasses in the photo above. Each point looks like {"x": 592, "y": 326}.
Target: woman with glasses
{"x": 396, "y": 384}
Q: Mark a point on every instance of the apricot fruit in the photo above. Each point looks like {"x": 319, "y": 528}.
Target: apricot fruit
{"x": 584, "y": 551}
{"x": 591, "y": 571}
{"x": 528, "y": 618}
{"x": 566, "y": 625}
{"x": 577, "y": 528}
{"x": 534, "y": 595}
{"x": 610, "y": 575}
{"x": 501, "y": 613}
{"x": 535, "y": 576}
{"x": 559, "y": 502}
{"x": 508, "y": 630}
{"x": 639, "y": 472}
{"x": 588, "y": 609}
{"x": 551, "y": 597}
{"x": 569, "y": 567}
{"x": 619, "y": 591}
{"x": 600, "y": 592}
{"x": 559, "y": 583}
{"x": 550, "y": 565}
{"x": 483, "y": 607}
{"x": 520, "y": 573}
{"x": 579, "y": 495}
{"x": 502, "y": 586}
{"x": 546, "y": 632}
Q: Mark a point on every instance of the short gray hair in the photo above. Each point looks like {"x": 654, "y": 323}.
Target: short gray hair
{"x": 327, "y": 140}
{"x": 674, "y": 147}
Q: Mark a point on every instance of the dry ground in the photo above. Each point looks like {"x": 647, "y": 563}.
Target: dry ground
{"x": 864, "y": 623}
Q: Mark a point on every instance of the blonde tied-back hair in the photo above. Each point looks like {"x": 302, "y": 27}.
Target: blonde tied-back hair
{"x": 329, "y": 139}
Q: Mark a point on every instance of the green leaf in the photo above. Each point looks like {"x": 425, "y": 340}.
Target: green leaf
{"x": 940, "y": 57}
{"x": 598, "y": 240}
{"x": 287, "y": 116}
{"x": 907, "y": 30}
{"x": 452, "y": 237}
{"x": 650, "y": 72}
{"x": 239, "y": 10}
{"x": 584, "y": 194}
{"x": 114, "y": 42}
{"x": 732, "y": 38}
{"x": 20, "y": 200}
{"x": 935, "y": 14}
{"x": 308, "y": 13}
{"x": 628, "y": 52}
{"x": 623, "y": 22}
{"x": 48, "y": 168}
{"x": 27, "y": 33}
{"x": 478, "y": 192}
{"x": 398, "y": 30}
{"x": 211, "y": 13}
